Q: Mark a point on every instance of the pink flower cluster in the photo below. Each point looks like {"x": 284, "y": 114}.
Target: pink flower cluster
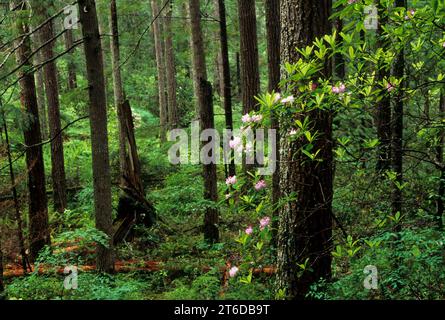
{"x": 264, "y": 222}
{"x": 390, "y": 87}
{"x": 410, "y": 14}
{"x": 260, "y": 185}
{"x": 230, "y": 181}
{"x": 288, "y": 100}
{"x": 352, "y": 1}
{"x": 233, "y": 271}
{"x": 234, "y": 143}
{"x": 340, "y": 89}
{"x": 256, "y": 118}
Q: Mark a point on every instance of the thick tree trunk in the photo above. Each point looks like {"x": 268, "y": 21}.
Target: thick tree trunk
{"x": 226, "y": 87}
{"x": 205, "y": 103}
{"x": 39, "y": 235}
{"x": 250, "y": 76}
{"x": 52, "y": 96}
{"x": 170, "y": 70}
{"x": 273, "y": 28}
{"x": 397, "y": 129}
{"x": 99, "y": 133}
{"x": 305, "y": 226}
{"x": 161, "y": 72}
{"x": 383, "y": 120}
{"x": 72, "y": 75}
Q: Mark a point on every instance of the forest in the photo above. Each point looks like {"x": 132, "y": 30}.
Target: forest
{"x": 222, "y": 150}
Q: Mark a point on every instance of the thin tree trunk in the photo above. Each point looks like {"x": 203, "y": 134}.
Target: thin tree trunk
{"x": 170, "y": 70}
{"x": 205, "y": 103}
{"x": 226, "y": 87}
{"x": 439, "y": 151}
{"x": 273, "y": 62}
{"x": 52, "y": 96}
{"x": 118, "y": 89}
{"x": 397, "y": 130}
{"x": 161, "y": 72}
{"x": 39, "y": 235}
{"x": 2, "y": 286}
{"x": 250, "y": 76}
{"x": 384, "y": 106}
{"x": 339, "y": 61}
{"x": 40, "y": 87}
{"x": 18, "y": 216}
{"x": 99, "y": 133}
{"x": 238, "y": 75}
{"x": 72, "y": 75}
{"x": 305, "y": 226}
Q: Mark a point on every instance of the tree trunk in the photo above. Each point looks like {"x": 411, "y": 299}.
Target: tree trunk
{"x": 72, "y": 76}
{"x": 439, "y": 151}
{"x": 250, "y": 76}
{"x": 2, "y": 287}
{"x": 226, "y": 87}
{"x": 99, "y": 134}
{"x": 39, "y": 235}
{"x": 46, "y": 34}
{"x": 161, "y": 72}
{"x": 40, "y": 91}
{"x": 205, "y": 103}
{"x": 397, "y": 129}
{"x": 170, "y": 70}
{"x": 18, "y": 216}
{"x": 305, "y": 225}
{"x": 383, "y": 120}
{"x": 273, "y": 63}
{"x": 119, "y": 96}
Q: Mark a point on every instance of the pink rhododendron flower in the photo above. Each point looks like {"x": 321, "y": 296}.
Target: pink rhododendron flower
{"x": 352, "y": 1}
{"x": 256, "y": 118}
{"x": 231, "y": 180}
{"x": 314, "y": 86}
{"x": 260, "y": 185}
{"x": 228, "y": 196}
{"x": 249, "y": 230}
{"x": 264, "y": 222}
{"x": 340, "y": 89}
{"x": 289, "y": 99}
{"x": 245, "y": 118}
{"x": 390, "y": 87}
{"x": 233, "y": 271}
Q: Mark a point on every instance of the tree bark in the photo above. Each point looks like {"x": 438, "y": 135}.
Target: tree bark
{"x": 439, "y": 150}
{"x": 273, "y": 29}
{"x": 40, "y": 91}
{"x": 2, "y": 286}
{"x": 99, "y": 134}
{"x": 397, "y": 129}
{"x": 170, "y": 70}
{"x": 18, "y": 215}
{"x": 384, "y": 106}
{"x": 205, "y": 103}
{"x": 72, "y": 75}
{"x": 39, "y": 235}
{"x": 250, "y": 76}
{"x": 46, "y": 34}
{"x": 305, "y": 225}
{"x": 161, "y": 72}
{"x": 226, "y": 87}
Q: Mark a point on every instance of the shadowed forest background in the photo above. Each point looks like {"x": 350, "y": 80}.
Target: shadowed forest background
{"x": 92, "y": 208}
